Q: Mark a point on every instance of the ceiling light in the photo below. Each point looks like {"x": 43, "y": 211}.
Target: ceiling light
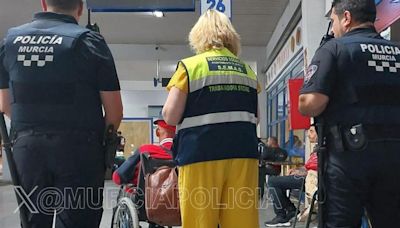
{"x": 158, "y": 14}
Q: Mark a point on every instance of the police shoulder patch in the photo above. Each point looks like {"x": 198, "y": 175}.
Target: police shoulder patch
{"x": 311, "y": 70}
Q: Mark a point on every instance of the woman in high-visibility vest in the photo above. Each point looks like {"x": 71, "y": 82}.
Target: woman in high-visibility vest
{"x": 213, "y": 101}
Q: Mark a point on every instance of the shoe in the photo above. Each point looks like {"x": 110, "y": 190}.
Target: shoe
{"x": 277, "y": 221}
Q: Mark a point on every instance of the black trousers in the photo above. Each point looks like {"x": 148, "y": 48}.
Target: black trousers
{"x": 62, "y": 173}
{"x": 358, "y": 180}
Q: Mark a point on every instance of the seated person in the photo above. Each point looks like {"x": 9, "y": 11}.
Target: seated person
{"x": 273, "y": 170}
{"x": 128, "y": 172}
{"x": 277, "y": 186}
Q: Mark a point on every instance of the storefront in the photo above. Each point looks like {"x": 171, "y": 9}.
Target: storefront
{"x": 287, "y": 65}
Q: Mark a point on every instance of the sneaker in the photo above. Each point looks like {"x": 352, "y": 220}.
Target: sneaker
{"x": 277, "y": 221}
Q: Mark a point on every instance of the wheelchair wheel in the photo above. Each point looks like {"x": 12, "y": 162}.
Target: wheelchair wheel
{"x": 126, "y": 215}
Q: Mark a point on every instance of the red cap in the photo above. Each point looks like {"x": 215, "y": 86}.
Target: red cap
{"x": 163, "y": 124}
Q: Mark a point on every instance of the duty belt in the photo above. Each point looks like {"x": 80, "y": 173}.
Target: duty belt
{"x": 356, "y": 137}
{"x": 373, "y": 131}
{"x": 54, "y": 132}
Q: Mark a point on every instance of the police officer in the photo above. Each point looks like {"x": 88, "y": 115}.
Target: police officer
{"x": 353, "y": 86}
{"x": 55, "y": 78}
{"x": 213, "y": 97}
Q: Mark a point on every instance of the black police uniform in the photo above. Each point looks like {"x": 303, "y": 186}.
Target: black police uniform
{"x": 54, "y": 70}
{"x": 360, "y": 73}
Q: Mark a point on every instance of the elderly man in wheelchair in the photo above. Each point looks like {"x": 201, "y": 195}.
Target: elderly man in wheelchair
{"x": 130, "y": 211}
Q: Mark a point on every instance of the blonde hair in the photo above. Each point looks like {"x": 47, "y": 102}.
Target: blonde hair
{"x": 214, "y": 30}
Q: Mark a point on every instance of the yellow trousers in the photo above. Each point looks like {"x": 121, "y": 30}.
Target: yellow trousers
{"x": 220, "y": 192}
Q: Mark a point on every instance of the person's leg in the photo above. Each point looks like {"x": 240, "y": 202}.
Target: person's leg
{"x": 31, "y": 158}
{"x": 383, "y": 202}
{"x": 240, "y": 195}
{"x": 200, "y": 187}
{"x": 345, "y": 187}
{"x": 80, "y": 177}
{"x": 277, "y": 186}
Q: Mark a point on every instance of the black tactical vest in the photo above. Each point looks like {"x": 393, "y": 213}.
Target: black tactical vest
{"x": 47, "y": 88}
{"x": 368, "y": 82}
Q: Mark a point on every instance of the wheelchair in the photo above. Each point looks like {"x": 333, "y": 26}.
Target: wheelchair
{"x": 130, "y": 211}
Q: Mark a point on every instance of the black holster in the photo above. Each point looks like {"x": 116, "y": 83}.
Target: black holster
{"x": 351, "y": 138}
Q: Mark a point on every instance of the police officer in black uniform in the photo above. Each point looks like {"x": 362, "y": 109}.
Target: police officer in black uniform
{"x": 55, "y": 78}
{"x": 353, "y": 86}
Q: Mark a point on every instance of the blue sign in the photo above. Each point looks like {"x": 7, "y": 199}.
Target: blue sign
{"x": 223, "y": 6}
{"x": 377, "y": 2}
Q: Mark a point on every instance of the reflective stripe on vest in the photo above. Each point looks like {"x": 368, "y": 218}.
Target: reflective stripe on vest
{"x": 215, "y": 118}
{"x": 221, "y": 79}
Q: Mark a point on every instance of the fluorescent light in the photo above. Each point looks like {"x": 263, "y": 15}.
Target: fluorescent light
{"x": 158, "y": 14}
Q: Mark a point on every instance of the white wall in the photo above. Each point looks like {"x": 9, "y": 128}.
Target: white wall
{"x": 136, "y": 102}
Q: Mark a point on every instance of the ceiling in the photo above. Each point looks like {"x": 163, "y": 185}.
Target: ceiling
{"x": 255, "y": 21}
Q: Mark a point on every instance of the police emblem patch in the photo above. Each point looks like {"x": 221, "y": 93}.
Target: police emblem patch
{"x": 310, "y": 72}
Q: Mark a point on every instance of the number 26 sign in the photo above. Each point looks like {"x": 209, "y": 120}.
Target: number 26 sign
{"x": 224, "y": 6}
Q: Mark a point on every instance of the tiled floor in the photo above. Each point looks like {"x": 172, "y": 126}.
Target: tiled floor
{"x": 9, "y": 219}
